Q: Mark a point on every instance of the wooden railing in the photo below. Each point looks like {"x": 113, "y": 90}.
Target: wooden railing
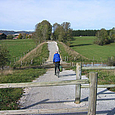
{"x": 43, "y": 84}
{"x": 79, "y": 69}
{"x": 92, "y": 81}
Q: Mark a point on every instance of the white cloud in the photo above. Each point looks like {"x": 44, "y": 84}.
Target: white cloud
{"x": 82, "y": 14}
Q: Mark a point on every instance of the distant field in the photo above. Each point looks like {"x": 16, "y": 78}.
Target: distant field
{"x": 84, "y": 45}
{"x": 17, "y": 48}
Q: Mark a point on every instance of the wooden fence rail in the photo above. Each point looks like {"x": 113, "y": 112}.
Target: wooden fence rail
{"x": 99, "y": 68}
{"x": 78, "y": 82}
{"x": 79, "y": 69}
{"x": 42, "y": 111}
{"x": 43, "y": 84}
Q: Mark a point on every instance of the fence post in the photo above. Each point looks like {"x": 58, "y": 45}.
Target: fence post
{"x": 93, "y": 93}
{"x": 78, "y": 87}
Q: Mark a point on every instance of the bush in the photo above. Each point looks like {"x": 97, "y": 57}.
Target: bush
{"x": 4, "y": 56}
{"x": 111, "y": 61}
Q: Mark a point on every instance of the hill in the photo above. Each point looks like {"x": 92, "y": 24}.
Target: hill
{"x": 14, "y": 32}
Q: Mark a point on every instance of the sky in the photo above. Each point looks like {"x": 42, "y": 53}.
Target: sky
{"x": 23, "y": 15}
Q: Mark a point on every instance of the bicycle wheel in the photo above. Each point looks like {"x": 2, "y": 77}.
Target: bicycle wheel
{"x": 57, "y": 72}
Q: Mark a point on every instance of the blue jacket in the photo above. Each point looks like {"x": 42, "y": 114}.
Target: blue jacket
{"x": 56, "y": 58}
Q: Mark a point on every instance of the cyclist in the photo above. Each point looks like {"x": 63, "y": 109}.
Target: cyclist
{"x": 56, "y": 60}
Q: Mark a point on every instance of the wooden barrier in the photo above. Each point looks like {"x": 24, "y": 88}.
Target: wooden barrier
{"x": 92, "y": 96}
{"x": 93, "y": 93}
{"x": 99, "y": 86}
{"x": 43, "y": 111}
{"x": 43, "y": 84}
{"x": 78, "y": 87}
{"x": 98, "y": 68}
{"x": 93, "y": 85}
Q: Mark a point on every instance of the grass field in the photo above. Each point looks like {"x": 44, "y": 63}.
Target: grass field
{"x": 9, "y": 97}
{"x": 86, "y": 47}
{"x": 17, "y": 48}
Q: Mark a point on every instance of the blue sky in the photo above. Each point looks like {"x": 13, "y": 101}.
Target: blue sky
{"x": 82, "y": 14}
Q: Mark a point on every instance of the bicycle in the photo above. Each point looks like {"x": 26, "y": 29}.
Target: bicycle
{"x": 57, "y": 72}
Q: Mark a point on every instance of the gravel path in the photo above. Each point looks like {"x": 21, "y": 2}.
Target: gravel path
{"x": 58, "y": 97}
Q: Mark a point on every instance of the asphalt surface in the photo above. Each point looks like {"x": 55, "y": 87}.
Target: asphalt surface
{"x": 58, "y": 97}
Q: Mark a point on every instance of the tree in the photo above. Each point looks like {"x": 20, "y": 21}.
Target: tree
{"x": 112, "y": 34}
{"x": 20, "y": 36}
{"x": 2, "y": 36}
{"x": 9, "y": 37}
{"x": 62, "y": 32}
{"x": 23, "y": 36}
{"x": 56, "y": 30}
{"x": 43, "y": 31}
{"x": 55, "y": 26}
{"x": 102, "y": 37}
{"x": 4, "y": 56}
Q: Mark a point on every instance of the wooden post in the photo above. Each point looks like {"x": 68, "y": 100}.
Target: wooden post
{"x": 92, "y": 63}
{"x": 78, "y": 87}
{"x": 65, "y": 58}
{"x": 31, "y": 61}
{"x": 93, "y": 93}
{"x": 21, "y": 63}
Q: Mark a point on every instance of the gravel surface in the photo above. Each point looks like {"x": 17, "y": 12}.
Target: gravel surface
{"x": 58, "y": 97}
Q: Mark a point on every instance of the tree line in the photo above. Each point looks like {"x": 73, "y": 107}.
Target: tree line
{"x": 84, "y": 32}
{"x": 62, "y": 32}
{"x": 45, "y": 31}
{"x": 104, "y": 37}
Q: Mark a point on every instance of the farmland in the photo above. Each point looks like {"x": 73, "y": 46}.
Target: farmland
{"x": 86, "y": 47}
{"x": 17, "y": 48}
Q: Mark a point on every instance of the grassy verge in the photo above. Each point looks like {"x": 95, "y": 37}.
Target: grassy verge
{"x": 72, "y": 55}
{"x": 9, "y": 97}
{"x": 104, "y": 77}
{"x": 35, "y": 57}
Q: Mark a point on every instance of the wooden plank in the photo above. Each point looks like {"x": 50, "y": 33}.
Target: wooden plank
{"x": 44, "y": 111}
{"x": 99, "y": 86}
{"x": 93, "y": 93}
{"x": 64, "y": 65}
{"x": 20, "y": 112}
{"x": 43, "y": 84}
{"x": 78, "y": 87}
{"x": 99, "y": 68}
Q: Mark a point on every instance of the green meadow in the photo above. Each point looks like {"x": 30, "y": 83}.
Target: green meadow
{"x": 17, "y": 48}
{"x": 85, "y": 46}
{"x": 9, "y": 97}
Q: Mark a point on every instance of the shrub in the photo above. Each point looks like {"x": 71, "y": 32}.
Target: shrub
{"x": 111, "y": 61}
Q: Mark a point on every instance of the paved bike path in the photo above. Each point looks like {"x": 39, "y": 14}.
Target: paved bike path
{"x": 58, "y": 97}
